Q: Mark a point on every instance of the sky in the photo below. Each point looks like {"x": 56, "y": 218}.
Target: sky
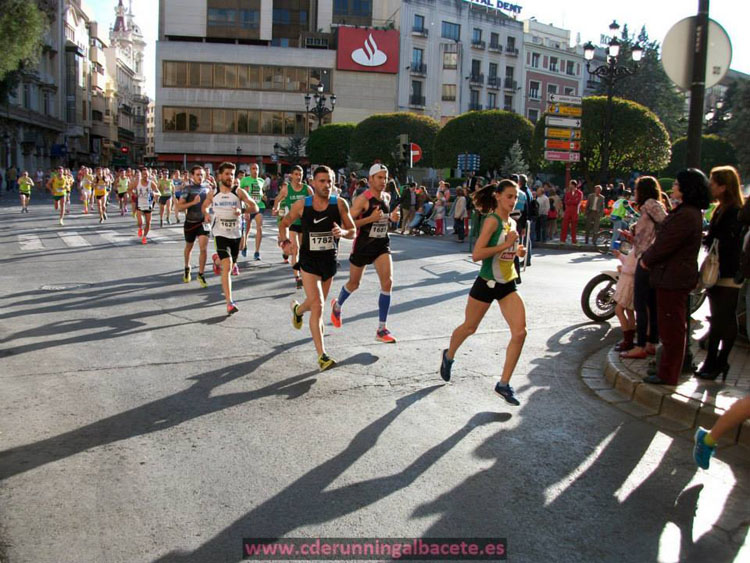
{"x": 589, "y": 18}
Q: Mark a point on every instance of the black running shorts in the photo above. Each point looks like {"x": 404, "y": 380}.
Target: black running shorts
{"x": 326, "y": 269}
{"x": 164, "y": 199}
{"x": 227, "y": 247}
{"x": 361, "y": 260}
{"x": 193, "y": 230}
{"x": 486, "y": 294}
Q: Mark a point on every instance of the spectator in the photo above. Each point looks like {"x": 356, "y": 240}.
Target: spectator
{"x": 620, "y": 210}
{"x": 623, "y": 297}
{"x": 408, "y": 206}
{"x": 459, "y": 214}
{"x": 543, "y": 203}
{"x": 722, "y": 297}
{"x": 439, "y": 216}
{"x": 552, "y": 215}
{"x": 648, "y": 200}
{"x": 594, "y": 211}
{"x": 672, "y": 262}
{"x": 744, "y": 217}
{"x": 571, "y": 208}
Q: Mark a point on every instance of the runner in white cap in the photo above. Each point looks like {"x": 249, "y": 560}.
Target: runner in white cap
{"x": 371, "y": 212}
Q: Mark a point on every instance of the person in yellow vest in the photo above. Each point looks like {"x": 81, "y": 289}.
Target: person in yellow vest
{"x": 24, "y": 190}
{"x": 68, "y": 188}
{"x": 166, "y": 187}
{"x": 86, "y": 185}
{"x": 100, "y": 193}
{"x": 58, "y": 186}
{"x": 122, "y": 185}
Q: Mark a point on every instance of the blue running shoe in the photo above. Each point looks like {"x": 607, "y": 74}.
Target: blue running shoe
{"x": 244, "y": 252}
{"x": 507, "y": 393}
{"x": 445, "y": 366}
{"x": 702, "y": 452}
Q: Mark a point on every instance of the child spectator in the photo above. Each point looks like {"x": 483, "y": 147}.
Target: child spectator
{"x": 625, "y": 310}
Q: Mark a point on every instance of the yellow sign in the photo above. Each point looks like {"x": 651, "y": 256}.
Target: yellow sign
{"x": 570, "y": 134}
{"x": 562, "y": 109}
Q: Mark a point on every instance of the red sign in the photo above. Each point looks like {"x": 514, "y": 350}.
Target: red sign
{"x": 125, "y": 150}
{"x": 367, "y": 50}
{"x": 562, "y": 156}
{"x": 416, "y": 153}
{"x": 558, "y": 144}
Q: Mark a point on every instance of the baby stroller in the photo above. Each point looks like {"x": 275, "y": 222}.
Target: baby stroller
{"x": 423, "y": 223}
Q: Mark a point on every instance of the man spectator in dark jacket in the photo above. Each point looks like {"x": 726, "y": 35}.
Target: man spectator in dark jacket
{"x": 594, "y": 211}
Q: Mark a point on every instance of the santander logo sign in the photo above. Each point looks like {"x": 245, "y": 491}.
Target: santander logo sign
{"x": 367, "y": 50}
{"x": 369, "y": 55}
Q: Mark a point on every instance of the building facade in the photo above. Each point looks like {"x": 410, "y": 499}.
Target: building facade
{"x": 231, "y": 77}
{"x": 459, "y": 56}
{"x": 150, "y": 152}
{"x": 553, "y": 66}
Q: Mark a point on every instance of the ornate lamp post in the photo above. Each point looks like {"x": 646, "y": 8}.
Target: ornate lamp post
{"x": 610, "y": 73}
{"x": 319, "y": 109}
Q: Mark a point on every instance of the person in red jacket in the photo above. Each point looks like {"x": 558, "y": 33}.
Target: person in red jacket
{"x": 572, "y": 202}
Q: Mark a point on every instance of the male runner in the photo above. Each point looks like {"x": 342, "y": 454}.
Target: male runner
{"x": 123, "y": 189}
{"x": 192, "y": 198}
{"x": 178, "y": 181}
{"x": 227, "y": 207}
{"x": 57, "y": 185}
{"x": 372, "y": 212}
{"x": 165, "y": 196}
{"x": 86, "y": 184}
{"x": 253, "y": 185}
{"x": 145, "y": 191}
{"x": 290, "y": 193}
{"x": 320, "y": 216}
{"x": 25, "y": 183}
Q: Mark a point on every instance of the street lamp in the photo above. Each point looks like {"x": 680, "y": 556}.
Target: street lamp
{"x": 610, "y": 73}
{"x": 319, "y": 109}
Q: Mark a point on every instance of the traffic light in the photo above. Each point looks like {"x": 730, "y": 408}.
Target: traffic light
{"x": 404, "y": 149}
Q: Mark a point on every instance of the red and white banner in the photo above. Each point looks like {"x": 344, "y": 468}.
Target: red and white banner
{"x": 367, "y": 50}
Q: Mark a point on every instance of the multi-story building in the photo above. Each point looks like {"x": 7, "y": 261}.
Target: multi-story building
{"x": 125, "y": 63}
{"x": 553, "y": 66}
{"x": 150, "y": 152}
{"x": 232, "y": 76}
{"x": 458, "y": 56}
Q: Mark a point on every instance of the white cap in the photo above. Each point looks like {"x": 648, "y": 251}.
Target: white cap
{"x": 375, "y": 168}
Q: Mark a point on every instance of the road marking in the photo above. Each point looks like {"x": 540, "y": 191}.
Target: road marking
{"x": 30, "y": 242}
{"x": 115, "y": 238}
{"x": 160, "y": 239}
{"x": 73, "y": 239}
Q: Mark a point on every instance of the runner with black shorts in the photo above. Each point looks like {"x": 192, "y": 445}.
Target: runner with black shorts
{"x": 227, "y": 206}
{"x": 165, "y": 196}
{"x": 145, "y": 191}
{"x": 321, "y": 216}
{"x": 293, "y": 191}
{"x": 192, "y": 197}
{"x": 254, "y": 186}
{"x": 123, "y": 190}
{"x": 497, "y": 247}
{"x": 372, "y": 213}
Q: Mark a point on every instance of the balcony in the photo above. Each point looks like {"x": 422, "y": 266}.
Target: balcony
{"x": 419, "y": 31}
{"x": 495, "y": 48}
{"x": 139, "y": 99}
{"x": 418, "y": 68}
{"x": 478, "y": 44}
{"x": 476, "y": 78}
{"x": 97, "y": 81}
{"x": 316, "y": 40}
{"x": 510, "y": 84}
{"x": 494, "y": 82}
{"x": 417, "y": 101}
{"x": 94, "y": 31}
{"x": 96, "y": 54}
{"x": 475, "y": 107}
{"x": 512, "y": 51}
{"x": 99, "y": 129}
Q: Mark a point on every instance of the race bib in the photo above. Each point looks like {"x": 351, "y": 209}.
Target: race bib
{"x": 283, "y": 211}
{"x": 228, "y": 223}
{"x": 321, "y": 241}
{"x": 379, "y": 230}
{"x": 207, "y": 227}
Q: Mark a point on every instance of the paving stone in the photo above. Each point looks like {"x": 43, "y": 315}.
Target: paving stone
{"x": 597, "y": 384}
{"x": 610, "y": 373}
{"x": 611, "y": 396}
{"x": 637, "y": 410}
{"x": 626, "y": 384}
{"x": 591, "y": 373}
{"x": 650, "y": 396}
{"x": 680, "y": 409}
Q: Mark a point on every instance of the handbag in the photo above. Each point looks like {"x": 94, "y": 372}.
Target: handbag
{"x": 709, "y": 273}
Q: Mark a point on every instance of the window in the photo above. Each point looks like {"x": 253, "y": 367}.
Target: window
{"x": 491, "y": 100}
{"x": 553, "y": 64}
{"x": 249, "y": 19}
{"x": 296, "y": 79}
{"x": 534, "y": 90}
{"x": 225, "y": 76}
{"x": 273, "y": 77}
{"x": 26, "y": 96}
{"x": 248, "y": 122}
{"x": 175, "y": 74}
{"x": 320, "y": 76}
{"x": 474, "y": 98}
{"x": 352, "y": 12}
{"x": 416, "y": 88}
{"x": 511, "y": 44}
{"x": 509, "y": 72}
{"x": 281, "y": 17}
{"x": 508, "y": 103}
{"x": 199, "y": 120}
{"x": 476, "y": 35}
{"x": 494, "y": 40}
{"x": 570, "y": 91}
{"x": 552, "y": 88}
{"x": 535, "y": 60}
{"x": 201, "y": 75}
{"x": 418, "y": 22}
{"x": 218, "y": 17}
{"x": 493, "y": 70}
{"x": 570, "y": 68}
{"x": 450, "y": 56}
{"x": 416, "y": 58}
{"x": 451, "y": 31}
{"x": 449, "y": 93}
{"x": 533, "y": 115}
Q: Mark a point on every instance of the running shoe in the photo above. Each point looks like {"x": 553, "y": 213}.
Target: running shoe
{"x": 335, "y": 313}
{"x": 232, "y": 308}
{"x": 217, "y": 267}
{"x": 144, "y": 240}
{"x": 101, "y": 219}
{"x": 384, "y": 335}
{"x": 286, "y": 258}
{"x": 244, "y": 252}
{"x": 296, "y": 318}
{"x": 201, "y": 280}
{"x": 168, "y": 221}
{"x": 702, "y": 452}
{"x": 507, "y": 393}
{"x": 161, "y": 222}
{"x": 235, "y": 270}
{"x": 256, "y": 256}
{"x": 299, "y": 283}
{"x": 445, "y": 366}
{"x": 122, "y": 212}
{"x": 186, "y": 277}
{"x": 105, "y": 215}
{"x": 325, "y": 362}
{"x": 61, "y": 221}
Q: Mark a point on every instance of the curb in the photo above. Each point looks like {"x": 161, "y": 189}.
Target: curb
{"x": 661, "y": 405}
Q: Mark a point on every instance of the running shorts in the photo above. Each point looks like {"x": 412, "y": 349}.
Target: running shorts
{"x": 164, "y": 199}
{"x": 122, "y": 195}
{"x": 361, "y": 260}
{"x": 326, "y": 269}
{"x": 193, "y": 230}
{"x": 295, "y": 228}
{"x": 486, "y": 294}
{"x": 227, "y": 247}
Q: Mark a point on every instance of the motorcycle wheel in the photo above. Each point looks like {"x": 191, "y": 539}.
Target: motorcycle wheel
{"x": 597, "y": 298}
{"x": 602, "y": 240}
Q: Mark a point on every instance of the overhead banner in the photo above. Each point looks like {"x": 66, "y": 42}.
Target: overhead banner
{"x": 497, "y": 5}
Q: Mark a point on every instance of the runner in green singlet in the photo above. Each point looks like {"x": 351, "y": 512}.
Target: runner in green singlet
{"x": 291, "y": 192}
{"x": 24, "y": 190}
{"x": 123, "y": 187}
{"x": 166, "y": 188}
{"x": 253, "y": 185}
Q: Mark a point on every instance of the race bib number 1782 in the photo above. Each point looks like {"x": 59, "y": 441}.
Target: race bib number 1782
{"x": 321, "y": 241}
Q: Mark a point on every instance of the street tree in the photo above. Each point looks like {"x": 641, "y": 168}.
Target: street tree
{"x": 490, "y": 134}
{"x": 376, "y": 138}
{"x": 638, "y": 140}
{"x": 738, "y": 131}
{"x": 293, "y": 150}
{"x": 22, "y": 25}
{"x": 715, "y": 151}
{"x": 330, "y": 144}
{"x": 514, "y": 162}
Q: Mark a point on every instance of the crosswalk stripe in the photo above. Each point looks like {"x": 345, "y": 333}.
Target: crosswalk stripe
{"x": 30, "y": 242}
{"x": 73, "y": 239}
{"x": 118, "y": 239}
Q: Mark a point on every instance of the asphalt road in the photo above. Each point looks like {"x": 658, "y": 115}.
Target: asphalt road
{"x": 139, "y": 424}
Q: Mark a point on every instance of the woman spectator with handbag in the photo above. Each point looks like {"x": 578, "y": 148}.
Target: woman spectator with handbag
{"x": 725, "y": 228}
{"x": 672, "y": 263}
